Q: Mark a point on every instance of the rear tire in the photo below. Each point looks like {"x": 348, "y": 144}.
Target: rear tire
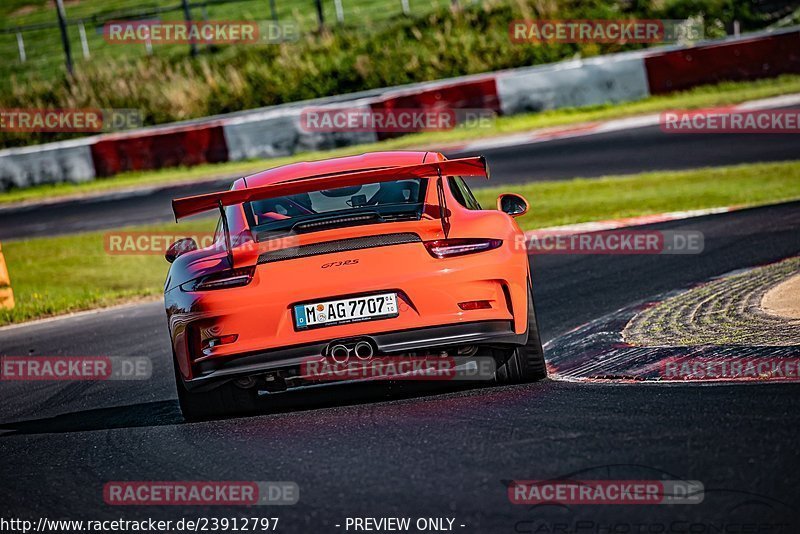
{"x": 524, "y": 363}
{"x": 225, "y": 400}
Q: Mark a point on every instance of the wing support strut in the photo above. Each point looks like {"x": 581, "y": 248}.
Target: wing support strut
{"x": 443, "y": 212}
{"x": 227, "y": 232}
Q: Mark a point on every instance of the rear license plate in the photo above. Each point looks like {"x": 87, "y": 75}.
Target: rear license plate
{"x": 333, "y": 312}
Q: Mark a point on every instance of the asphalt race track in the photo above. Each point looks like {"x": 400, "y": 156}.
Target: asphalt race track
{"x": 620, "y": 152}
{"x": 427, "y": 452}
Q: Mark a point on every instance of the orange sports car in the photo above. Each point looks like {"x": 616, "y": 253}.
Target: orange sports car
{"x": 380, "y": 255}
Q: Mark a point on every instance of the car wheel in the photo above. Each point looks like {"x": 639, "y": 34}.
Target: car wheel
{"x": 524, "y": 363}
{"x": 226, "y": 400}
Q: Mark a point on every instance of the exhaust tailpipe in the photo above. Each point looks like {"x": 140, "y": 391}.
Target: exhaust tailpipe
{"x": 363, "y": 350}
{"x": 339, "y": 353}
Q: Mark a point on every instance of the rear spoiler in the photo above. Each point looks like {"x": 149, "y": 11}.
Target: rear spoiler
{"x": 184, "y": 207}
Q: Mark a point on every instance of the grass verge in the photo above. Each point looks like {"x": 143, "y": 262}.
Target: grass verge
{"x": 57, "y": 275}
{"x": 701, "y": 97}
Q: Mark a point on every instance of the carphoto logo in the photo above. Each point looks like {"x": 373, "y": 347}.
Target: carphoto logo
{"x": 46, "y": 368}
{"x": 621, "y": 242}
{"x": 200, "y": 32}
{"x": 361, "y": 119}
{"x": 729, "y": 368}
{"x": 200, "y": 493}
{"x": 69, "y": 120}
{"x": 768, "y": 121}
{"x": 604, "y": 31}
{"x": 606, "y": 492}
{"x": 399, "y": 368}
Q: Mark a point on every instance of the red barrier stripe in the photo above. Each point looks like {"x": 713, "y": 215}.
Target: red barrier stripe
{"x": 746, "y": 59}
{"x": 476, "y": 94}
{"x": 156, "y": 149}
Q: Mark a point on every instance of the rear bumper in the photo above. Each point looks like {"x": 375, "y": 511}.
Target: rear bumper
{"x": 260, "y": 315}
{"x": 214, "y": 372}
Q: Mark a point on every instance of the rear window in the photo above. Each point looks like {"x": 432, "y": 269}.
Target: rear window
{"x": 362, "y": 204}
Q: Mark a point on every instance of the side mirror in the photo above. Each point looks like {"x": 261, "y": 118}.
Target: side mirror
{"x": 179, "y": 247}
{"x": 513, "y": 204}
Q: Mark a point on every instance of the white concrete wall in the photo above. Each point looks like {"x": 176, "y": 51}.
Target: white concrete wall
{"x": 609, "y": 79}
{"x": 278, "y": 132}
{"x": 52, "y": 163}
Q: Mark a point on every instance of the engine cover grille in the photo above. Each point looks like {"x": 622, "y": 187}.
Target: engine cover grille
{"x": 341, "y": 245}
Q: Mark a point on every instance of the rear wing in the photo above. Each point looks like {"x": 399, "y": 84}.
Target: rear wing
{"x": 184, "y": 207}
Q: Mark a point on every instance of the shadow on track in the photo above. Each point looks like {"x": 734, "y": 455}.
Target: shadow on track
{"x": 135, "y": 415}
{"x": 167, "y": 412}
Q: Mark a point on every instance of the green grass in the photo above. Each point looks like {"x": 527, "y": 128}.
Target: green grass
{"x": 61, "y": 274}
{"x": 592, "y": 199}
{"x": 58, "y": 275}
{"x": 700, "y": 97}
{"x": 45, "y": 53}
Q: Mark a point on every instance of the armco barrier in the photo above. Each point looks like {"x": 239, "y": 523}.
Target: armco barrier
{"x": 276, "y": 131}
{"x": 51, "y": 163}
{"x": 476, "y": 93}
{"x": 589, "y": 82}
{"x": 743, "y": 59}
{"x": 157, "y": 148}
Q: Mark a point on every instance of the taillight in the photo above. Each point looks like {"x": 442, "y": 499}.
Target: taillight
{"x": 223, "y": 280}
{"x": 447, "y": 248}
